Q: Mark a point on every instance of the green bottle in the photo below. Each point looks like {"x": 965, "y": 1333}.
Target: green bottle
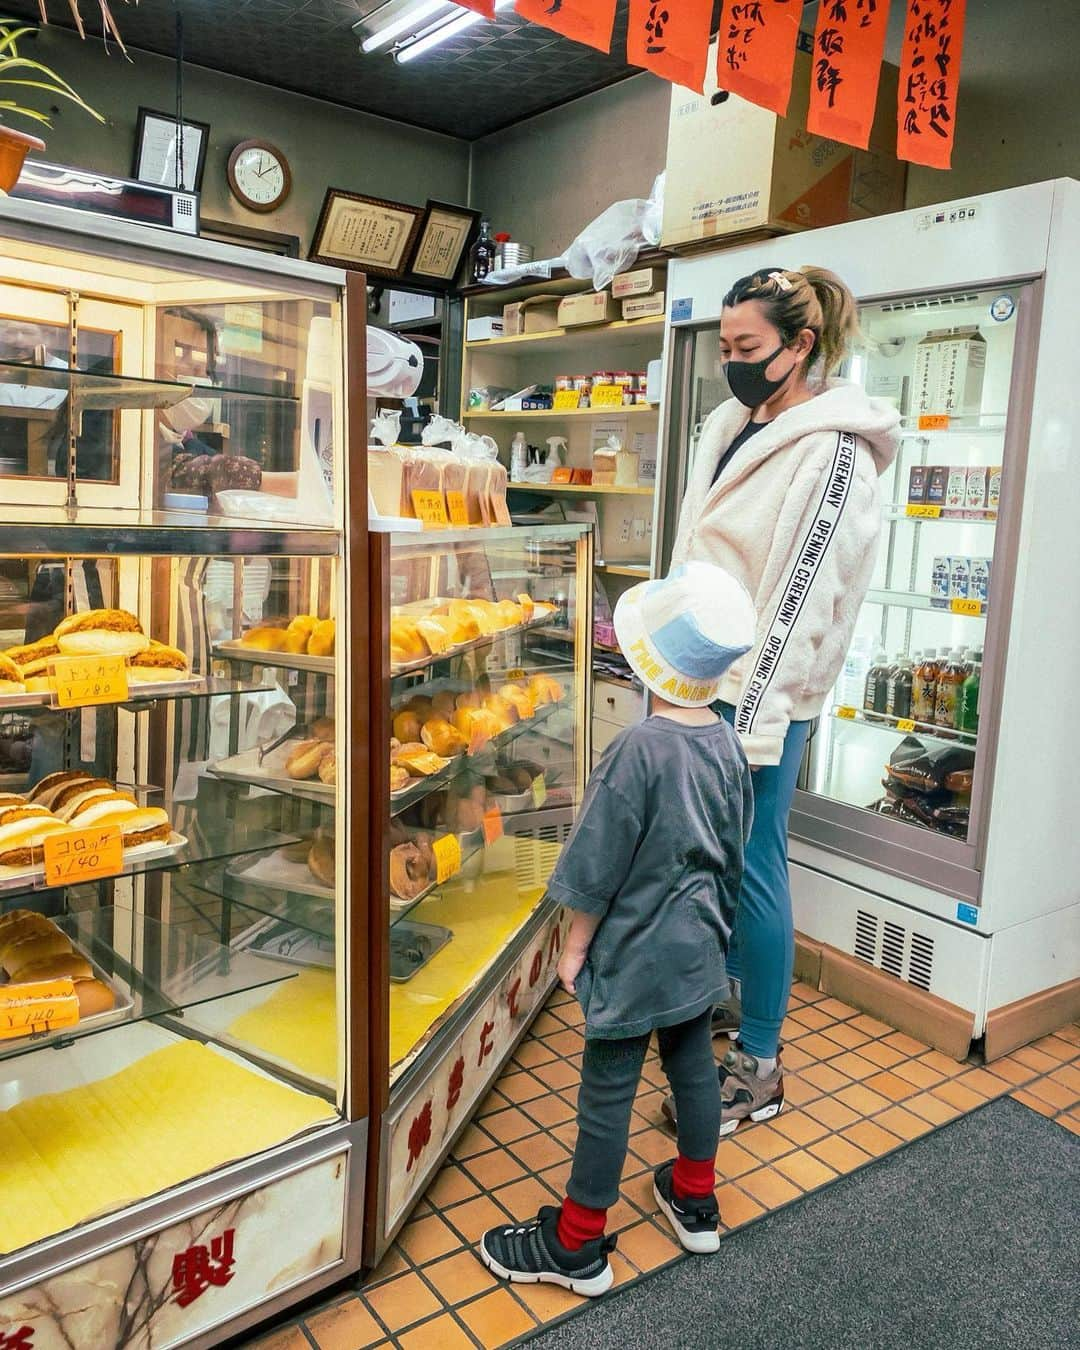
{"x": 968, "y": 713}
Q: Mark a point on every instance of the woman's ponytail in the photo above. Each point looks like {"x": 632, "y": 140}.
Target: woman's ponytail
{"x": 839, "y": 317}
{"x": 811, "y": 298}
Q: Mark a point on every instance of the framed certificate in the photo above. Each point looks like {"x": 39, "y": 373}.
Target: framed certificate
{"x": 445, "y": 238}
{"x": 365, "y": 233}
{"x": 159, "y": 148}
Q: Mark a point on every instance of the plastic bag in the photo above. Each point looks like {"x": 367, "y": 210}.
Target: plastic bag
{"x": 611, "y": 243}
{"x": 395, "y": 366}
{"x": 386, "y": 427}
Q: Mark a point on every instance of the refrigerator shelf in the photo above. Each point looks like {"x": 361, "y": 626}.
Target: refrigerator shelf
{"x": 969, "y": 424}
{"x": 909, "y": 600}
{"x": 899, "y": 726}
{"x": 899, "y": 511}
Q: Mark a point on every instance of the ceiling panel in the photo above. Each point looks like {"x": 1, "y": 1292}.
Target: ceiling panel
{"x": 488, "y": 77}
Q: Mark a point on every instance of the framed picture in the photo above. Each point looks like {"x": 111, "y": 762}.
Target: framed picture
{"x": 446, "y": 236}
{"x": 365, "y": 233}
{"x": 158, "y": 149}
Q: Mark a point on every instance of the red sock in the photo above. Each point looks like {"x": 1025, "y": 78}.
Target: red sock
{"x": 691, "y": 1179}
{"x": 578, "y": 1224}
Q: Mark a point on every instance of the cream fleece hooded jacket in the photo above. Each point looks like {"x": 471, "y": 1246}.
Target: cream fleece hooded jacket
{"x": 795, "y": 516}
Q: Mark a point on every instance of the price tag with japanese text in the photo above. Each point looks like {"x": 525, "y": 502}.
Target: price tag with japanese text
{"x": 905, "y": 724}
{"x": 606, "y": 396}
{"x": 447, "y": 852}
{"x": 934, "y": 422}
{"x": 539, "y": 791}
{"x": 430, "y": 507}
{"x": 973, "y": 608}
{"x": 493, "y": 825}
{"x": 924, "y": 512}
{"x": 848, "y": 714}
{"x": 82, "y": 680}
{"x": 34, "y": 1008}
{"x": 459, "y": 509}
{"x": 75, "y": 856}
{"x": 566, "y": 400}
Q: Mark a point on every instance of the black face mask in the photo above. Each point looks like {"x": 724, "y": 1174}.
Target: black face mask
{"x": 749, "y": 383}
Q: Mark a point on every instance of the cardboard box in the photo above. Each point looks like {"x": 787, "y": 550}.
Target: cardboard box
{"x": 643, "y": 306}
{"x": 641, "y": 282}
{"x": 735, "y": 167}
{"x": 479, "y": 330}
{"x": 590, "y": 307}
{"x": 540, "y": 314}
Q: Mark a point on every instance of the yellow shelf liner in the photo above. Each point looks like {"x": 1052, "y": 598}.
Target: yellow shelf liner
{"x": 175, "y": 1114}
{"x": 482, "y": 921}
{"x": 297, "y": 1024}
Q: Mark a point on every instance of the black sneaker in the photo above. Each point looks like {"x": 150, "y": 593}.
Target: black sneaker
{"x": 531, "y": 1253}
{"x": 694, "y": 1221}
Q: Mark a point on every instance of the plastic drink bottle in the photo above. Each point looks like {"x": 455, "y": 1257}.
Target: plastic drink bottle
{"x": 968, "y": 718}
{"x": 899, "y": 696}
{"x": 877, "y": 677}
{"x": 925, "y": 690}
{"x": 947, "y": 701}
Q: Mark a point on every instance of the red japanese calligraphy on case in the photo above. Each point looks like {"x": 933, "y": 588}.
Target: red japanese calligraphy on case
{"x": 929, "y": 81}
{"x": 756, "y": 50}
{"x": 849, "y": 42}
{"x": 587, "y": 21}
{"x": 671, "y": 38}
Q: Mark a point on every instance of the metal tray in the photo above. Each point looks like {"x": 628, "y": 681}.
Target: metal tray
{"x": 275, "y": 873}
{"x": 422, "y": 662}
{"x": 245, "y": 768}
{"x": 137, "y": 692}
{"x": 412, "y": 946}
{"x": 17, "y": 876}
{"x": 123, "y": 1005}
{"x": 234, "y": 650}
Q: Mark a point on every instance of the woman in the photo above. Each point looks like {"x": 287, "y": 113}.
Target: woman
{"x": 784, "y": 495}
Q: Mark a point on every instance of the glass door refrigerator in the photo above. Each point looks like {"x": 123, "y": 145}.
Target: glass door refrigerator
{"x": 932, "y": 846}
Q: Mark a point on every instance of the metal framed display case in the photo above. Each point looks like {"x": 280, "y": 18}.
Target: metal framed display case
{"x": 931, "y": 845}
{"x": 483, "y": 704}
{"x": 182, "y": 570}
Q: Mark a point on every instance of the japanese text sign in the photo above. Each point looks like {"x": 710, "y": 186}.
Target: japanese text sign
{"x": 929, "y": 81}
{"x": 587, "y": 21}
{"x": 80, "y": 680}
{"x": 756, "y": 51}
{"x": 430, "y": 507}
{"x": 75, "y": 856}
{"x": 849, "y": 43}
{"x": 671, "y": 38}
{"x": 197, "y": 1268}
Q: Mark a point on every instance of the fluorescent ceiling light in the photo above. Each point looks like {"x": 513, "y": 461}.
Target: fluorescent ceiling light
{"x": 408, "y": 22}
{"x": 441, "y": 33}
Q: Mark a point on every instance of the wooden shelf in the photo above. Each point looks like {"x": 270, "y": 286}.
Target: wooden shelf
{"x": 582, "y": 489}
{"x": 619, "y": 333}
{"x": 641, "y": 571}
{"x": 636, "y": 410}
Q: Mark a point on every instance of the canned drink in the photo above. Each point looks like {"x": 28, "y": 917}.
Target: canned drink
{"x": 939, "y": 581}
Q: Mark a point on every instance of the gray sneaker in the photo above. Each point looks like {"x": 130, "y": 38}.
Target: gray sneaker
{"x": 745, "y": 1096}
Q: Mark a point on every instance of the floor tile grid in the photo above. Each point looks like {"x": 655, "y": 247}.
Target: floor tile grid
{"x": 845, "y": 1109}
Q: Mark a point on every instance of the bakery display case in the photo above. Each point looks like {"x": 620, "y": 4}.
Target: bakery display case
{"x": 479, "y": 750}
{"x": 183, "y": 936}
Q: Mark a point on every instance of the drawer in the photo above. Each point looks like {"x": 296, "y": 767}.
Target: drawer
{"x": 603, "y": 733}
{"x": 617, "y": 703}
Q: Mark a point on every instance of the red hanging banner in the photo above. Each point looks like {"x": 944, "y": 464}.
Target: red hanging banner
{"x": 849, "y": 43}
{"x": 484, "y": 7}
{"x": 756, "y": 51}
{"x": 588, "y": 21}
{"x": 671, "y": 38}
{"x": 929, "y": 81}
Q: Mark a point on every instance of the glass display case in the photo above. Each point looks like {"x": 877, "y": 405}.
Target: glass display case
{"x": 183, "y": 1090}
{"x": 479, "y": 761}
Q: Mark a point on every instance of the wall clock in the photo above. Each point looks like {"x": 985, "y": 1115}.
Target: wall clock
{"x": 259, "y": 175}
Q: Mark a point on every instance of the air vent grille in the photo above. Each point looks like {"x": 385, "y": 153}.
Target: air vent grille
{"x": 895, "y": 949}
{"x": 929, "y": 302}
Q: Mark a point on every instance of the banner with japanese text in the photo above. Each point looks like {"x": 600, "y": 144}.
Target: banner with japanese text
{"x": 587, "y": 21}
{"x": 757, "y": 50}
{"x": 849, "y": 42}
{"x": 671, "y": 38}
{"x": 929, "y": 81}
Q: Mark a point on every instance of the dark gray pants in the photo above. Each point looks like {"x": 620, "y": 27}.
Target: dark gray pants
{"x": 610, "y": 1072}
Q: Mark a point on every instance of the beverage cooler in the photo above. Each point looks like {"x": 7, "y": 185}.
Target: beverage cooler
{"x": 934, "y": 859}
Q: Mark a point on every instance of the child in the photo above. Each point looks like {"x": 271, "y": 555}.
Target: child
{"x": 651, "y": 873}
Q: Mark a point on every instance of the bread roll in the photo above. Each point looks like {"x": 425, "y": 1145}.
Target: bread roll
{"x": 101, "y": 632}
{"x": 528, "y": 609}
{"x": 11, "y": 799}
{"x": 294, "y": 643}
{"x": 84, "y": 794}
{"x": 514, "y": 694}
{"x": 508, "y": 614}
{"x": 264, "y": 639}
{"x": 69, "y": 966}
{"x": 443, "y": 705}
{"x": 399, "y": 777}
{"x": 503, "y": 708}
{"x": 43, "y": 790}
{"x": 409, "y": 870}
{"x": 67, "y": 792}
{"x": 323, "y": 729}
{"x": 438, "y": 735}
{"x": 34, "y": 949}
{"x": 29, "y": 924}
{"x": 33, "y": 658}
{"x": 14, "y": 916}
{"x": 9, "y": 671}
{"x": 321, "y": 861}
{"x": 438, "y": 632}
{"x": 303, "y": 762}
{"x": 465, "y": 618}
{"x": 420, "y": 762}
{"x": 148, "y": 825}
{"x": 406, "y": 644}
{"x": 94, "y": 997}
{"x": 406, "y": 726}
{"x": 159, "y": 664}
{"x": 24, "y": 811}
{"x": 328, "y": 769}
{"x": 302, "y": 625}
{"x": 321, "y": 641}
{"x": 21, "y": 840}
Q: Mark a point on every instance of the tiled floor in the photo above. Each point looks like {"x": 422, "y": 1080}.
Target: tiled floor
{"x": 856, "y": 1089}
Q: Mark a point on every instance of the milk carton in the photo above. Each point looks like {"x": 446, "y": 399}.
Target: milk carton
{"x": 927, "y": 377}
{"x": 962, "y": 359}
{"x": 939, "y": 581}
{"x": 975, "y": 495}
{"x": 955, "y": 492}
{"x": 918, "y": 482}
{"x": 993, "y": 491}
{"x": 979, "y": 585}
{"x": 959, "y": 578}
{"x": 937, "y": 485}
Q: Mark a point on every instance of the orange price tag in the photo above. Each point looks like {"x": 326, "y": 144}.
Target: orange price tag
{"x": 848, "y": 714}
{"x": 973, "y": 608}
{"x": 606, "y": 396}
{"x": 934, "y": 422}
{"x": 924, "y": 512}
{"x": 37, "y": 1007}
{"x": 905, "y": 724}
{"x": 430, "y": 507}
{"x": 447, "y": 852}
{"x": 493, "y": 825}
{"x": 513, "y": 676}
{"x": 459, "y": 509}
{"x": 83, "y": 855}
{"x": 566, "y": 400}
{"x": 81, "y": 680}
{"x": 563, "y": 474}
{"x": 539, "y": 791}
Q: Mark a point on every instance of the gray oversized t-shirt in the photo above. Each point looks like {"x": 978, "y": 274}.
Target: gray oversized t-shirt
{"x": 657, "y": 853}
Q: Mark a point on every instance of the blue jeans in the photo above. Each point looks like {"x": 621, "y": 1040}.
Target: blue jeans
{"x": 762, "y": 951}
